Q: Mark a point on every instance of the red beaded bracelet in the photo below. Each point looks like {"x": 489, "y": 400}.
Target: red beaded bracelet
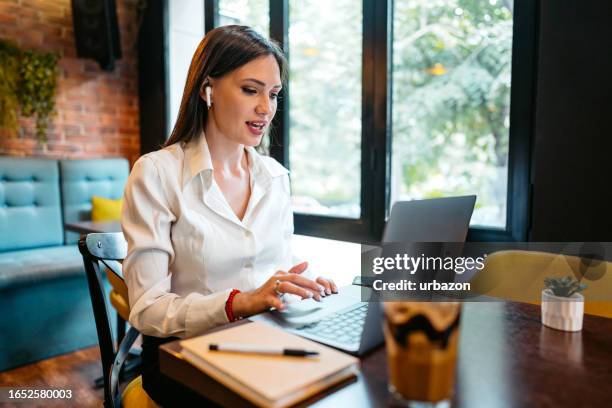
{"x": 229, "y": 311}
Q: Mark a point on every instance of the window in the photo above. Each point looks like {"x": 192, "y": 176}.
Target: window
{"x": 401, "y": 99}
{"x": 254, "y": 13}
{"x": 325, "y": 106}
{"x": 452, "y": 63}
{"x": 185, "y": 32}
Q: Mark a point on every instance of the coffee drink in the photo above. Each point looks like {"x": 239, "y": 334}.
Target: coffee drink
{"x": 421, "y": 340}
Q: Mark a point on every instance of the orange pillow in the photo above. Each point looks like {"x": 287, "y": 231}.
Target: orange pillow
{"x": 105, "y": 209}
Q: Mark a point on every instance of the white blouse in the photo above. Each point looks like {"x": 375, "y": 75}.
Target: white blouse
{"x": 186, "y": 247}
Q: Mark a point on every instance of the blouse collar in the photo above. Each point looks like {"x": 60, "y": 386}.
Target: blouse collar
{"x": 198, "y": 160}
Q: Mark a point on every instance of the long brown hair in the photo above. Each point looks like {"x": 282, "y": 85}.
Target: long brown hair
{"x": 221, "y": 51}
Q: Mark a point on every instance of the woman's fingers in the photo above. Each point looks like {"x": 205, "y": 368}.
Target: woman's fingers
{"x": 330, "y": 286}
{"x": 276, "y": 302}
{"x": 289, "y": 287}
{"x": 311, "y": 285}
{"x": 299, "y": 268}
{"x": 334, "y": 286}
{"x": 326, "y": 285}
{"x": 322, "y": 287}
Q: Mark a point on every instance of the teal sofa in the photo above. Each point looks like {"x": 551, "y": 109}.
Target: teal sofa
{"x": 44, "y": 299}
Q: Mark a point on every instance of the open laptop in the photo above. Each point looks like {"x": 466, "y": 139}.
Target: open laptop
{"x": 344, "y": 321}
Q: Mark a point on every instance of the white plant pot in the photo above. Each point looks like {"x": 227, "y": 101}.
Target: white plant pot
{"x": 562, "y": 313}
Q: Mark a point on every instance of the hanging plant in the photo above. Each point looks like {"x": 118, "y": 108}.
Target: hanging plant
{"x": 9, "y": 80}
{"x": 38, "y": 82}
{"x": 32, "y": 82}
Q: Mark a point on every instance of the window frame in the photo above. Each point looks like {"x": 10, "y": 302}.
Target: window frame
{"x": 376, "y": 119}
{"x": 375, "y": 114}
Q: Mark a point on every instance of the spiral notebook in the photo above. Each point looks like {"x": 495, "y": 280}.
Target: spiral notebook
{"x": 269, "y": 380}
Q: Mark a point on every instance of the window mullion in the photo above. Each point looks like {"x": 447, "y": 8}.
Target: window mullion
{"x": 279, "y": 31}
{"x": 211, "y": 14}
{"x": 376, "y": 114}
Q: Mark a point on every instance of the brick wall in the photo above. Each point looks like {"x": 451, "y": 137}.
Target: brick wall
{"x": 97, "y": 111}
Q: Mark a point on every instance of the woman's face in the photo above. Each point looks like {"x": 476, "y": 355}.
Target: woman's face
{"x": 244, "y": 101}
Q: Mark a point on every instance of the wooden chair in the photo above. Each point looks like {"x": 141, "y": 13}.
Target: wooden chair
{"x": 109, "y": 249}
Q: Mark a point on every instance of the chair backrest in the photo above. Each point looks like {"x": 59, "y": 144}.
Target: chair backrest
{"x": 107, "y": 249}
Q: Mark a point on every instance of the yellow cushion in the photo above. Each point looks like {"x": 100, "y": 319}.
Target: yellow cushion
{"x": 118, "y": 284}
{"x": 119, "y": 294}
{"x": 135, "y": 396}
{"x": 120, "y": 304}
{"x": 105, "y": 209}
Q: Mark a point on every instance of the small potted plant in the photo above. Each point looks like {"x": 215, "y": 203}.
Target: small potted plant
{"x": 562, "y": 304}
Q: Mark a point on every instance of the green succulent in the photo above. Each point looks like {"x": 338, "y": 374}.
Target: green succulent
{"x": 564, "y": 287}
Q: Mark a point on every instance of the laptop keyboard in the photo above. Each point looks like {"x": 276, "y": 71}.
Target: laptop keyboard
{"x": 342, "y": 327}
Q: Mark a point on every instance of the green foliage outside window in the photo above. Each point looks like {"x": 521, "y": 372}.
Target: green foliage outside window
{"x": 325, "y": 50}
{"x": 254, "y": 13}
{"x": 451, "y": 101}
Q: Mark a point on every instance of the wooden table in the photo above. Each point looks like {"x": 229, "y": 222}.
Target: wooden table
{"x": 506, "y": 359}
{"x": 88, "y": 227}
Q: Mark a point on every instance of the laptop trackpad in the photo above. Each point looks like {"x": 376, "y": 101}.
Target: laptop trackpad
{"x": 300, "y": 308}
{"x": 309, "y": 310}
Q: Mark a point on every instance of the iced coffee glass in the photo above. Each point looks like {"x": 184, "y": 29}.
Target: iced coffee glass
{"x": 421, "y": 339}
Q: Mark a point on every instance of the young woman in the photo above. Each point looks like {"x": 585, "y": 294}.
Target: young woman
{"x": 208, "y": 220}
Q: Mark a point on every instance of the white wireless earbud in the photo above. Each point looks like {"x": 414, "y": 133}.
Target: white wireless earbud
{"x": 208, "y": 91}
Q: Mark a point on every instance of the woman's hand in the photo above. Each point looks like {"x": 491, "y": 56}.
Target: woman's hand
{"x": 261, "y": 299}
{"x": 329, "y": 286}
{"x": 326, "y": 286}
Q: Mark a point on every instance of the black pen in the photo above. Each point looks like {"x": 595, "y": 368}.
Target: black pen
{"x": 261, "y": 349}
